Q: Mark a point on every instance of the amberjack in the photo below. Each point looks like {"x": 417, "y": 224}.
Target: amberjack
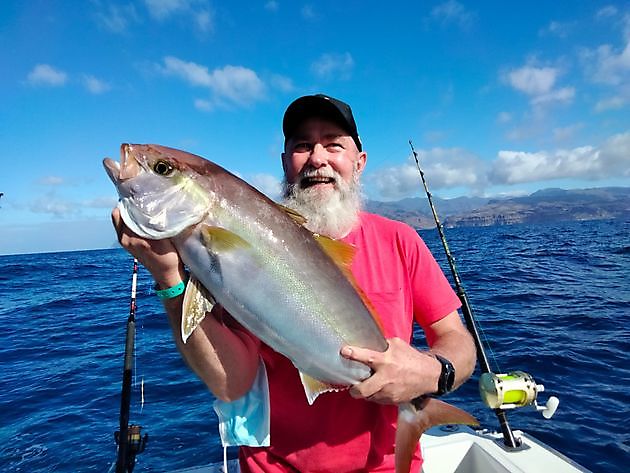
{"x": 291, "y": 288}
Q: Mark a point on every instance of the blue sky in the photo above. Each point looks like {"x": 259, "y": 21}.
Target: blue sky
{"x": 500, "y": 98}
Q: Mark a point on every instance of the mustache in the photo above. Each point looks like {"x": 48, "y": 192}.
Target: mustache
{"x": 327, "y": 173}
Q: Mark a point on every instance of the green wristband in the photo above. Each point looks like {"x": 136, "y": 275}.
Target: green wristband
{"x": 171, "y": 292}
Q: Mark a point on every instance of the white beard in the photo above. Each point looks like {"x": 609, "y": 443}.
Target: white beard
{"x": 333, "y": 213}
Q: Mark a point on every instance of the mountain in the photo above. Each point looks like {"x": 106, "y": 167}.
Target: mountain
{"x": 541, "y": 206}
{"x": 417, "y": 212}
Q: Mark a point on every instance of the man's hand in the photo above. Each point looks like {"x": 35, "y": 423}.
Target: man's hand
{"x": 158, "y": 256}
{"x": 400, "y": 373}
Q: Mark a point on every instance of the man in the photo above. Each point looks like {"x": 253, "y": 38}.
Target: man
{"x": 349, "y": 430}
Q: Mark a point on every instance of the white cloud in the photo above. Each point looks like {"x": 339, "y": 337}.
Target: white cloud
{"x": 556, "y": 28}
{"x": 116, "y": 18}
{"x": 55, "y": 206}
{"x": 453, "y": 12}
{"x": 238, "y": 84}
{"x": 539, "y": 84}
{"x": 308, "y": 12}
{"x": 51, "y": 181}
{"x": 197, "y": 12}
{"x": 269, "y": 185}
{"x": 448, "y": 168}
{"x": 95, "y": 85}
{"x": 333, "y": 66}
{"x": 272, "y": 5}
{"x": 234, "y": 84}
{"x": 607, "y": 12}
{"x": 44, "y": 74}
{"x": 106, "y": 202}
{"x": 606, "y": 65}
{"x": 434, "y": 136}
{"x": 162, "y": 9}
{"x": 204, "y": 105}
{"x": 204, "y": 20}
{"x": 395, "y": 182}
{"x": 567, "y": 132}
{"x": 504, "y": 117}
{"x": 563, "y": 95}
{"x": 281, "y": 83}
{"x": 454, "y": 168}
{"x": 612, "y": 103}
{"x": 533, "y": 80}
{"x": 191, "y": 72}
{"x": 615, "y": 155}
{"x": 612, "y": 159}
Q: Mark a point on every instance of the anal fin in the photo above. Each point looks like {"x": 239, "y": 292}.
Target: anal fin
{"x": 314, "y": 387}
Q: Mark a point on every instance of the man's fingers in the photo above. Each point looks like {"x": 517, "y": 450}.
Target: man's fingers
{"x": 362, "y": 355}
{"x": 364, "y": 389}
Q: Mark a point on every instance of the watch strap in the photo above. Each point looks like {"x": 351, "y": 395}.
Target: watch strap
{"x": 447, "y": 376}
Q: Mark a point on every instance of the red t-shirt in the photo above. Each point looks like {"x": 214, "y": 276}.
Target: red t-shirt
{"x": 337, "y": 433}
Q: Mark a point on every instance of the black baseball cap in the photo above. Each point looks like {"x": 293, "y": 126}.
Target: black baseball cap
{"x": 321, "y": 106}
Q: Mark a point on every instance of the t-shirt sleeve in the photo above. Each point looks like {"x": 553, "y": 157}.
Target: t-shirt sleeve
{"x": 433, "y": 297}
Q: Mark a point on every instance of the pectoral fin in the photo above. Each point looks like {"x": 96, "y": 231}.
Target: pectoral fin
{"x": 197, "y": 302}
{"x": 219, "y": 239}
{"x": 314, "y": 387}
{"x": 414, "y": 420}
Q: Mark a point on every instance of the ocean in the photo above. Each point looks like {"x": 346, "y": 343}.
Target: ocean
{"x": 552, "y": 300}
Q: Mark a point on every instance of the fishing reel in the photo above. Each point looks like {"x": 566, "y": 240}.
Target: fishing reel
{"x": 512, "y": 390}
{"x": 135, "y": 444}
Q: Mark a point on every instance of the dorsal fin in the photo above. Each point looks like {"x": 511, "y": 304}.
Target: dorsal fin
{"x": 342, "y": 254}
{"x": 297, "y": 217}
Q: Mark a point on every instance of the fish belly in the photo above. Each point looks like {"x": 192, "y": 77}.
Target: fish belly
{"x": 296, "y": 321}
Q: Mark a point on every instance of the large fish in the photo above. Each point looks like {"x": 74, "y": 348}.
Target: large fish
{"x": 289, "y": 287}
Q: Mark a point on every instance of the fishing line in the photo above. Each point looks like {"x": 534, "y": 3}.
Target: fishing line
{"x": 466, "y": 308}
{"x": 140, "y": 338}
{"x": 461, "y": 293}
{"x": 499, "y": 391}
{"x": 129, "y": 438}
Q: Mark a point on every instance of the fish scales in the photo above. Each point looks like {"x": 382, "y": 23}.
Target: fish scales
{"x": 264, "y": 268}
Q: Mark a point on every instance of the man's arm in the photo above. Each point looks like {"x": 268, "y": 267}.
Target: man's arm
{"x": 402, "y": 373}
{"x": 223, "y": 355}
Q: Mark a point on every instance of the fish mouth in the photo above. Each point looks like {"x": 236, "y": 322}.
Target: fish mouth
{"x": 126, "y": 169}
{"x": 112, "y": 168}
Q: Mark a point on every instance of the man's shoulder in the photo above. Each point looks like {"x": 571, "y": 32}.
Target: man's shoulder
{"x": 384, "y": 223}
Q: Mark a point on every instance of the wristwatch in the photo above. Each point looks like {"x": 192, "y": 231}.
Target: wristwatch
{"x": 447, "y": 376}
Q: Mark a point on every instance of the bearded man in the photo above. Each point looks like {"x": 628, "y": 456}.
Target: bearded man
{"x": 348, "y": 430}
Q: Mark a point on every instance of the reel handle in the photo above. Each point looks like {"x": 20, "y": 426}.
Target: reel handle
{"x": 549, "y": 409}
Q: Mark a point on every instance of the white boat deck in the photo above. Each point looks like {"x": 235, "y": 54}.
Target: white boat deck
{"x": 460, "y": 449}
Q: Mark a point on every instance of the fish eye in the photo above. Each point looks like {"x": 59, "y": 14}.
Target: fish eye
{"x": 163, "y": 168}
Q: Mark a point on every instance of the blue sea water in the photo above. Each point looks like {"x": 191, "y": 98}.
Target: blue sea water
{"x": 552, "y": 300}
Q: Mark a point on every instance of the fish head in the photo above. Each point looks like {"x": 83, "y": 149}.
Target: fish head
{"x": 161, "y": 192}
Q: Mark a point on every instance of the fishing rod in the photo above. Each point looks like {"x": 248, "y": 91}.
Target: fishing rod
{"x": 498, "y": 391}
{"x": 129, "y": 438}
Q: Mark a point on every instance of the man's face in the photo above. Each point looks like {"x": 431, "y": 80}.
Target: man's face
{"x": 316, "y": 148}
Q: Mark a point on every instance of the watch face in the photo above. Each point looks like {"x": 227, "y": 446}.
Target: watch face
{"x": 447, "y": 377}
